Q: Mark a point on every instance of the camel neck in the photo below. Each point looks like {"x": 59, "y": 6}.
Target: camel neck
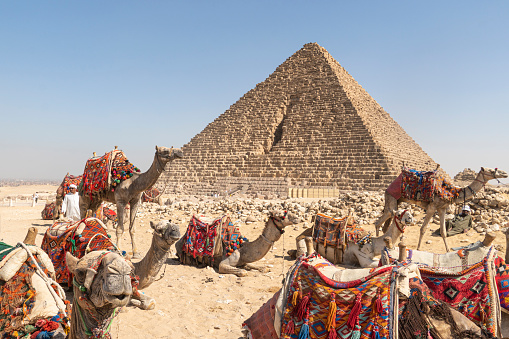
{"x": 393, "y": 232}
{"x": 147, "y": 179}
{"x": 258, "y": 248}
{"x": 149, "y": 266}
{"x": 468, "y": 192}
{"x": 86, "y": 321}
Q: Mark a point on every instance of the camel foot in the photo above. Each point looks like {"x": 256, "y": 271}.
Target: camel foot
{"x": 136, "y": 255}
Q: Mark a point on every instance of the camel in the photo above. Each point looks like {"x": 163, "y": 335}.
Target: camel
{"x": 438, "y": 204}
{"x": 101, "y": 285}
{"x": 165, "y": 234}
{"x": 355, "y": 254}
{"x": 129, "y": 192}
{"x": 253, "y": 251}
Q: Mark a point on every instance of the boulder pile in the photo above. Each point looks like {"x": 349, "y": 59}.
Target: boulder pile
{"x": 490, "y": 208}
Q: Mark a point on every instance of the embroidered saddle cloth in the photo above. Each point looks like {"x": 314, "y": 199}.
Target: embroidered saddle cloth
{"x": 205, "y": 239}
{"x": 150, "y": 195}
{"x": 78, "y": 238}
{"x": 47, "y": 212}
{"x": 423, "y": 186}
{"x": 71, "y": 179}
{"x": 336, "y": 232}
{"x": 106, "y": 172}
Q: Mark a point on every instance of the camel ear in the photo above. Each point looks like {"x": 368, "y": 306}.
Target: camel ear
{"x": 482, "y": 169}
{"x": 152, "y": 224}
{"x": 72, "y": 262}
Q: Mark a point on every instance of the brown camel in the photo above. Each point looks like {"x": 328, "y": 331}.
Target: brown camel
{"x": 129, "y": 192}
{"x": 253, "y": 251}
{"x": 101, "y": 286}
{"x": 438, "y": 204}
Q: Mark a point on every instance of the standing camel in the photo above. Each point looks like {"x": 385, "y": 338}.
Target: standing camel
{"x": 129, "y": 192}
{"x": 439, "y": 204}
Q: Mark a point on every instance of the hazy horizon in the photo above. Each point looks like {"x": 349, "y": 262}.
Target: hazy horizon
{"x": 83, "y": 77}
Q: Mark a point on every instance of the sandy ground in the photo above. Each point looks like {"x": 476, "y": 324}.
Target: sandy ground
{"x": 193, "y": 302}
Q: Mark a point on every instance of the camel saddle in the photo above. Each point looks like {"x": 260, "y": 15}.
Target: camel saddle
{"x": 47, "y": 212}
{"x": 333, "y": 234}
{"x": 319, "y": 301}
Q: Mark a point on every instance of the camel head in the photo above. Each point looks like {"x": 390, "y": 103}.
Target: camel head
{"x": 403, "y": 218}
{"x": 489, "y": 173}
{"x": 283, "y": 218}
{"x": 166, "y": 232}
{"x": 167, "y": 154}
{"x": 101, "y": 279}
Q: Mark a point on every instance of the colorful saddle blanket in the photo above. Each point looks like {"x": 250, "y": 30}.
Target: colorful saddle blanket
{"x": 106, "y": 172}
{"x": 150, "y": 195}
{"x": 71, "y": 179}
{"x": 336, "y": 232}
{"x": 76, "y": 238}
{"x": 317, "y": 304}
{"x": 423, "y": 186}
{"x": 17, "y": 300}
{"x": 201, "y": 239}
{"x": 47, "y": 212}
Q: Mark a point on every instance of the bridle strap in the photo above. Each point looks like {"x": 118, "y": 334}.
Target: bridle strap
{"x": 279, "y": 226}
{"x": 396, "y": 218}
{"x": 159, "y": 163}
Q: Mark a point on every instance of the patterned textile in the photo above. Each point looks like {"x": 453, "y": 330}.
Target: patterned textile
{"x": 335, "y": 232}
{"x": 261, "y": 324}
{"x": 200, "y": 237}
{"x": 47, "y": 212}
{"x": 110, "y": 214}
{"x": 150, "y": 195}
{"x": 423, "y": 186}
{"x": 93, "y": 236}
{"x": 121, "y": 168}
{"x": 96, "y": 175}
{"x": 468, "y": 291}
{"x": 502, "y": 280}
{"x": 313, "y": 299}
{"x": 230, "y": 235}
{"x": 17, "y": 298}
{"x": 71, "y": 179}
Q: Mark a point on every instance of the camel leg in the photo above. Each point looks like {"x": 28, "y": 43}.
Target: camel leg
{"x": 227, "y": 266}
{"x": 120, "y": 226}
{"x": 443, "y": 232}
{"x": 132, "y": 229}
{"x": 429, "y": 214}
{"x": 391, "y": 205}
{"x": 143, "y": 301}
{"x": 262, "y": 269}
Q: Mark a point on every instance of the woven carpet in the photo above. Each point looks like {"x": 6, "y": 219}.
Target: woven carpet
{"x": 47, "y": 212}
{"x": 313, "y": 297}
{"x": 335, "y": 232}
{"x": 94, "y": 236}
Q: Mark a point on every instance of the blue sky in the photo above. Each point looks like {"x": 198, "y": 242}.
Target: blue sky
{"x": 78, "y": 77}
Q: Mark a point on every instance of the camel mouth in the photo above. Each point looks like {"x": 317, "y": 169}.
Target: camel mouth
{"x": 119, "y": 299}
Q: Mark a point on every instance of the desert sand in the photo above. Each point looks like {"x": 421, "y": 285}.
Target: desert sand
{"x": 197, "y": 302}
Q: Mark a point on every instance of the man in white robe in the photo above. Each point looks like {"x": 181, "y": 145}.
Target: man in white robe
{"x": 71, "y": 204}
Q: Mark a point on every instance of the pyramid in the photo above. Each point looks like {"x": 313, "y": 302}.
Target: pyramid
{"x": 309, "y": 124}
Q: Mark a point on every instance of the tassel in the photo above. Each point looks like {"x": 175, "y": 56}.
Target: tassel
{"x": 429, "y": 335}
{"x": 375, "y": 334}
{"x": 378, "y": 303}
{"x": 354, "y": 313}
{"x": 356, "y": 334}
{"x": 332, "y": 334}
{"x": 295, "y": 297}
{"x": 304, "y": 330}
{"x": 290, "y": 328}
{"x": 331, "y": 318}
{"x": 303, "y": 305}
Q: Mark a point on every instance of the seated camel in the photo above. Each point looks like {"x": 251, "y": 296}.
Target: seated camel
{"x": 249, "y": 252}
{"x": 356, "y": 254}
{"x": 386, "y": 302}
{"x": 31, "y": 301}
{"x": 90, "y": 234}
